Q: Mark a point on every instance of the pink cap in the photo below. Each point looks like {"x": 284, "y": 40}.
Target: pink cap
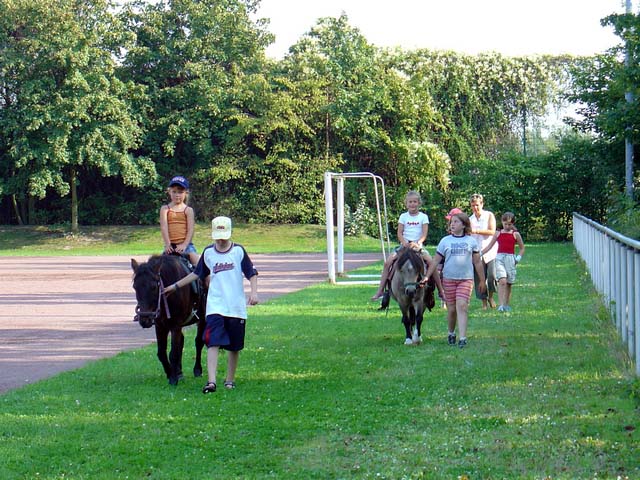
{"x": 452, "y": 212}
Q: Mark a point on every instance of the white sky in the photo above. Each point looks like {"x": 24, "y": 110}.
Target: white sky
{"x": 510, "y": 27}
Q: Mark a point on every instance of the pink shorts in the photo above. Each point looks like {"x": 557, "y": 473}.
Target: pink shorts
{"x": 457, "y": 290}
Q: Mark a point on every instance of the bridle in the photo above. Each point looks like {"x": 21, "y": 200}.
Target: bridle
{"x": 154, "y": 315}
{"x": 418, "y": 284}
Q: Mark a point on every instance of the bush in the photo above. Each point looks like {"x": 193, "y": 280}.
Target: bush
{"x": 361, "y": 222}
{"x": 623, "y": 216}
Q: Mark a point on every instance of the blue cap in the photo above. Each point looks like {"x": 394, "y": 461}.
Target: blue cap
{"x": 179, "y": 180}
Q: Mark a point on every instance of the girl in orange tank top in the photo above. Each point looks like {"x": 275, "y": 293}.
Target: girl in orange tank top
{"x": 177, "y": 221}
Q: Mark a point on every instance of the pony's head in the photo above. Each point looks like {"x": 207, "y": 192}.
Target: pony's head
{"x": 148, "y": 281}
{"x": 410, "y": 269}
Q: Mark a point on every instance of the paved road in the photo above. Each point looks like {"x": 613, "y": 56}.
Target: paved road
{"x": 58, "y": 313}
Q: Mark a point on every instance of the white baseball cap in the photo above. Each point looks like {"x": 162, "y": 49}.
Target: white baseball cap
{"x": 221, "y": 228}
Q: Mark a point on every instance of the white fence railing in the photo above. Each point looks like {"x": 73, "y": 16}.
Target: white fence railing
{"x": 613, "y": 261}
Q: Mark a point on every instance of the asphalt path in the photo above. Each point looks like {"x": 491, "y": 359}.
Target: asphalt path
{"x": 58, "y": 313}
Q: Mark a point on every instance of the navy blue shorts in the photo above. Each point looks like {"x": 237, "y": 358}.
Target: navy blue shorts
{"x": 224, "y": 332}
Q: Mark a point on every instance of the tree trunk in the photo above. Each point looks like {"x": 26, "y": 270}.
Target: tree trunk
{"x": 14, "y": 202}
{"x": 74, "y": 202}
{"x": 31, "y": 210}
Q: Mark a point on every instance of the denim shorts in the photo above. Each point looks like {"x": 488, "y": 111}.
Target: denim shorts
{"x": 190, "y": 248}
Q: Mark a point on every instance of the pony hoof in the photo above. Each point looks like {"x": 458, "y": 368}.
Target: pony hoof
{"x": 417, "y": 340}
{"x": 197, "y": 372}
{"x": 173, "y": 381}
{"x": 408, "y": 341}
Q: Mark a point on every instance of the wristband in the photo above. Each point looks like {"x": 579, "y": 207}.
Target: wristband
{"x": 176, "y": 286}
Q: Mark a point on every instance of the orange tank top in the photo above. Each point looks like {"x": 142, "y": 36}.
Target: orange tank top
{"x": 177, "y": 226}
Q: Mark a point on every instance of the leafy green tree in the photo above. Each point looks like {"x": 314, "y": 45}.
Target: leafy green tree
{"x": 64, "y": 114}
{"x": 599, "y": 84}
{"x": 200, "y": 63}
{"x": 361, "y": 110}
{"x": 477, "y": 104}
{"x": 608, "y": 90}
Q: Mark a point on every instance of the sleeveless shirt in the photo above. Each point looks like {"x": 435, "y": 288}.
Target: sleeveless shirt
{"x": 177, "y": 226}
{"x": 507, "y": 242}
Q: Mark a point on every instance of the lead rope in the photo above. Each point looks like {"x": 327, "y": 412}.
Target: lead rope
{"x": 162, "y": 296}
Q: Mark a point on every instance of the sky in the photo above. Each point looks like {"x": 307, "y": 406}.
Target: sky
{"x": 509, "y": 27}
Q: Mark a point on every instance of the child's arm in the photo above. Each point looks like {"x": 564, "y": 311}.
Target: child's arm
{"x": 477, "y": 263}
{"x": 494, "y": 239}
{"x": 191, "y": 223}
{"x": 164, "y": 229}
{"x": 520, "y": 247}
{"x": 433, "y": 265}
{"x": 423, "y": 236}
{"x": 401, "y": 238}
{"x": 253, "y": 295}
{"x": 192, "y": 277}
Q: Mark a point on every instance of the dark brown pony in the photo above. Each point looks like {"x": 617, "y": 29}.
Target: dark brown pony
{"x": 169, "y": 313}
{"x": 412, "y": 295}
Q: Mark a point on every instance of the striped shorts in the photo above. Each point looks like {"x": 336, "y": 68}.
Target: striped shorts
{"x": 457, "y": 289}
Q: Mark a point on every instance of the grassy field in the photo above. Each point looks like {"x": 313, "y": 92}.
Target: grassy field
{"x": 326, "y": 389}
{"x": 146, "y": 240}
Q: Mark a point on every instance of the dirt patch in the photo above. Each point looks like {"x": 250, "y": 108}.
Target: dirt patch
{"x": 58, "y": 313}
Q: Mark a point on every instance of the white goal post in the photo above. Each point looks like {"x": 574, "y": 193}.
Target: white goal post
{"x": 381, "y": 214}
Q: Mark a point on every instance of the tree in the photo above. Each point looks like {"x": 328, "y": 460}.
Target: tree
{"x": 64, "y": 112}
{"x": 600, "y": 85}
{"x": 197, "y": 61}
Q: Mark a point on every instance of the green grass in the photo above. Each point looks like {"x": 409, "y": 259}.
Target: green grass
{"x": 326, "y": 389}
{"x": 146, "y": 240}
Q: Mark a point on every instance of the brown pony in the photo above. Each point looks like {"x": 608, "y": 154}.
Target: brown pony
{"x": 411, "y": 293}
{"x": 170, "y": 313}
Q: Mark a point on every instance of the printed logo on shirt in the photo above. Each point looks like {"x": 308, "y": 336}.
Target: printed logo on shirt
{"x": 413, "y": 223}
{"x": 459, "y": 248}
{"x": 222, "y": 267}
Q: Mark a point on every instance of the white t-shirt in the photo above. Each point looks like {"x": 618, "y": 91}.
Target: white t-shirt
{"x": 458, "y": 256}
{"x": 482, "y": 223}
{"x": 413, "y": 225}
{"x": 226, "y": 292}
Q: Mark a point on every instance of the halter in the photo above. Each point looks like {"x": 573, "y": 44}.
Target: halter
{"x": 155, "y": 315}
{"x": 418, "y": 283}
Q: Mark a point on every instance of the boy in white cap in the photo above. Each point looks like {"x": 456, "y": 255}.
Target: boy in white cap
{"x": 227, "y": 262}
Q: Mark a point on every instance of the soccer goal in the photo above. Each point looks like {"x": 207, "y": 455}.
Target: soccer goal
{"x": 381, "y": 215}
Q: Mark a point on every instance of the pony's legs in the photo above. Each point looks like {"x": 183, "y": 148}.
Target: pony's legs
{"x": 161, "y": 337}
{"x": 406, "y": 321}
{"x": 175, "y": 356}
{"x": 418, "y": 326}
{"x": 197, "y": 367}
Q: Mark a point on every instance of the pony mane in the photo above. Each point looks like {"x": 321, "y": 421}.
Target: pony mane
{"x": 409, "y": 254}
{"x": 168, "y": 266}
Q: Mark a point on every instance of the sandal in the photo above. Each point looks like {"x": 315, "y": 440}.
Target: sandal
{"x": 229, "y": 385}
{"x": 210, "y": 387}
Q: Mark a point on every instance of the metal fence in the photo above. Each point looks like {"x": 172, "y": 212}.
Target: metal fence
{"x": 613, "y": 261}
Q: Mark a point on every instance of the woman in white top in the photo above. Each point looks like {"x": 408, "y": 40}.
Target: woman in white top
{"x": 483, "y": 227}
